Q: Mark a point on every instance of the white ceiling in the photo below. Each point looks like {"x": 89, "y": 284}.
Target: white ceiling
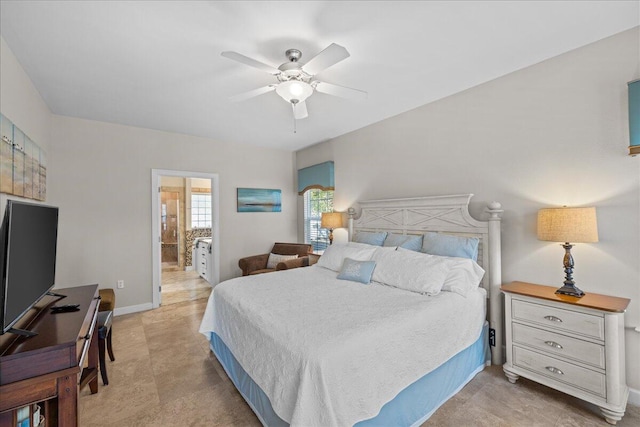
{"x": 157, "y": 64}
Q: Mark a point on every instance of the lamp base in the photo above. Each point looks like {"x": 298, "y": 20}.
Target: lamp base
{"x": 569, "y": 287}
{"x": 571, "y": 290}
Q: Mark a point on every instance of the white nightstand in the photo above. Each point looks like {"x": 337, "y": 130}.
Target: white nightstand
{"x": 575, "y": 345}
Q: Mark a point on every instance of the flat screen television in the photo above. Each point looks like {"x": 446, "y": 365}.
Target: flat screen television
{"x": 28, "y": 240}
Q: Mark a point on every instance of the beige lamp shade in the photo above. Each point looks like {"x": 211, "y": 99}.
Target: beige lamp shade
{"x": 570, "y": 225}
{"x": 331, "y": 220}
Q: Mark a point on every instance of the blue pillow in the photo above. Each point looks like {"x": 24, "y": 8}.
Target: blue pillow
{"x": 448, "y": 245}
{"x": 357, "y": 271}
{"x": 376, "y": 239}
{"x": 413, "y": 243}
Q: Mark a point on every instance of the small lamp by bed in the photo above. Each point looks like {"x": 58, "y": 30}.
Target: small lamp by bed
{"x": 331, "y": 220}
{"x": 577, "y": 225}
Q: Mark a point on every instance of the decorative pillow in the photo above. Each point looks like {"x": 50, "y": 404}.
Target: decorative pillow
{"x": 334, "y": 255}
{"x": 413, "y": 243}
{"x": 409, "y": 270}
{"x": 452, "y": 246}
{"x": 465, "y": 275}
{"x": 357, "y": 271}
{"x": 375, "y": 239}
{"x": 274, "y": 259}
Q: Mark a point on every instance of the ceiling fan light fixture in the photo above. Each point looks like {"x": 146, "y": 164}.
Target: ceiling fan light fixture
{"x": 296, "y": 81}
{"x": 294, "y": 90}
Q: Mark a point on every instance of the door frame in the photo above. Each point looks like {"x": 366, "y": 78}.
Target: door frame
{"x": 155, "y": 226}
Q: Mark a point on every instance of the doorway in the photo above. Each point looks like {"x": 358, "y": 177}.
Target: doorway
{"x": 170, "y": 229}
{"x": 185, "y": 234}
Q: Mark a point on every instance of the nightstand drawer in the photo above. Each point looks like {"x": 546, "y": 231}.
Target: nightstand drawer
{"x": 561, "y": 345}
{"x": 575, "y": 376}
{"x": 571, "y": 321}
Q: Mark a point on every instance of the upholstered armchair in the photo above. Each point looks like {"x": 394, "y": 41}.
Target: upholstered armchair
{"x": 257, "y": 264}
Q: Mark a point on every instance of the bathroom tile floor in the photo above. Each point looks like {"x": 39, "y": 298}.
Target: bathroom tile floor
{"x": 179, "y": 286}
{"x": 165, "y": 375}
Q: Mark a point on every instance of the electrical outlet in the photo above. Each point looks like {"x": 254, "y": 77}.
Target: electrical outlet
{"x": 120, "y": 284}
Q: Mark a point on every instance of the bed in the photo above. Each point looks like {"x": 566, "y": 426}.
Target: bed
{"x": 306, "y": 348}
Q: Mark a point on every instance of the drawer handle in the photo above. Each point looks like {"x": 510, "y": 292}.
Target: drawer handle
{"x": 553, "y": 344}
{"x": 554, "y": 370}
{"x": 553, "y": 319}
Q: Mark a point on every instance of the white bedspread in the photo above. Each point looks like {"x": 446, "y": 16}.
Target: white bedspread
{"x": 331, "y": 352}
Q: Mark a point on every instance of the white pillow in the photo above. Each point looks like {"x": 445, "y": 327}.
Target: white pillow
{"x": 274, "y": 259}
{"x": 334, "y": 255}
{"x": 409, "y": 270}
{"x": 465, "y": 275}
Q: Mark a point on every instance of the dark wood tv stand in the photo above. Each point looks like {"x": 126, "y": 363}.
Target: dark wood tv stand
{"x": 48, "y": 368}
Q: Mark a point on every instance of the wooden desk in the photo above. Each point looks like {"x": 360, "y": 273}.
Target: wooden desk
{"x": 49, "y": 366}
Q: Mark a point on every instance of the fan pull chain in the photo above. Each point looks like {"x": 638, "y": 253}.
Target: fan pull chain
{"x": 293, "y": 109}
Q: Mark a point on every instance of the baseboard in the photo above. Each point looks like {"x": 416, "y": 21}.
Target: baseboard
{"x": 634, "y": 397}
{"x": 132, "y": 309}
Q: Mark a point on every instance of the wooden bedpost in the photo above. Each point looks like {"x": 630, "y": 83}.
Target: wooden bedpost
{"x": 495, "y": 282}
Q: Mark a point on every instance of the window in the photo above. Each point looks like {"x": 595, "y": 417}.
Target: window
{"x": 200, "y": 210}
{"x": 316, "y": 202}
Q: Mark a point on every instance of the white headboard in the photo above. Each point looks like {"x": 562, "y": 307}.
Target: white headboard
{"x": 450, "y": 215}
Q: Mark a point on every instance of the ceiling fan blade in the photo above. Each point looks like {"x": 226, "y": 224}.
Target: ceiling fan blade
{"x": 300, "y": 110}
{"x": 331, "y": 55}
{"x": 250, "y": 62}
{"x": 341, "y": 91}
{"x": 255, "y": 92}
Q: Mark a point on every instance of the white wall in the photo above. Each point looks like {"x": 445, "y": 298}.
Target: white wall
{"x": 20, "y": 101}
{"x": 200, "y": 183}
{"x": 101, "y": 180}
{"x": 172, "y": 181}
{"x": 22, "y": 104}
{"x": 99, "y": 174}
{"x": 552, "y": 134}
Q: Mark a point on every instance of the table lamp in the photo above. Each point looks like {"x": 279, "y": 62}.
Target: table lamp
{"x": 331, "y": 220}
{"x": 576, "y": 225}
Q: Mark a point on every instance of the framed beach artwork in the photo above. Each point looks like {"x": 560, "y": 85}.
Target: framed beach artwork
{"x": 23, "y": 165}
{"x": 259, "y": 200}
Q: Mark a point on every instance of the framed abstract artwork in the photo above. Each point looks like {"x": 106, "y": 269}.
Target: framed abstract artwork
{"x": 259, "y": 200}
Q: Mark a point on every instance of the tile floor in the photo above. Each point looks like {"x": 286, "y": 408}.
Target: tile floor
{"x": 165, "y": 375}
{"x": 179, "y": 286}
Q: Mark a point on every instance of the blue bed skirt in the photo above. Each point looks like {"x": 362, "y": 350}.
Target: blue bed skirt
{"x": 411, "y": 407}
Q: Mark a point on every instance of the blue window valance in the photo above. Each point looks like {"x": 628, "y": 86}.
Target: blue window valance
{"x": 634, "y": 117}
{"x": 317, "y": 176}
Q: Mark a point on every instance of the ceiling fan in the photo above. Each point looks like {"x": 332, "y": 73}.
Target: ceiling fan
{"x": 297, "y": 81}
